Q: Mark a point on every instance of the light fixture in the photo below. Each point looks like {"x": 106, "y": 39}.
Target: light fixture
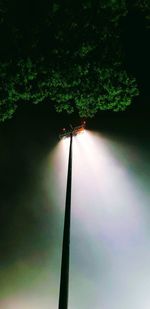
{"x": 72, "y": 130}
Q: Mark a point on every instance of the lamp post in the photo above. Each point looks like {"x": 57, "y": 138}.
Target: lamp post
{"x": 64, "y": 279}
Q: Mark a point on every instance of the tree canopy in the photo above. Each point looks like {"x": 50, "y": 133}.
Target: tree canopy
{"x": 66, "y": 53}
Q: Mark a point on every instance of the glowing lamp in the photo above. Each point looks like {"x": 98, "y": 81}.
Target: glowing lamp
{"x": 72, "y": 131}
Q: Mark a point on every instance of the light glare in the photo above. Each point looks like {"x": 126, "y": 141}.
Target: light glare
{"x": 110, "y": 250}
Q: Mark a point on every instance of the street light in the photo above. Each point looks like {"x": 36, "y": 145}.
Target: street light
{"x": 64, "y": 280}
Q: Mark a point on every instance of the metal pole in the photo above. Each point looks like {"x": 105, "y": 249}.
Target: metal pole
{"x": 64, "y": 280}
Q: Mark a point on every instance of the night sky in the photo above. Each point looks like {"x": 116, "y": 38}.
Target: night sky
{"x": 31, "y": 219}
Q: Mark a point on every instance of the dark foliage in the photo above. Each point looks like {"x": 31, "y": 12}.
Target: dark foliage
{"x": 67, "y": 53}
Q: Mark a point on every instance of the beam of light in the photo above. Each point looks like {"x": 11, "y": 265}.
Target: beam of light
{"x": 110, "y": 250}
{"x": 110, "y": 247}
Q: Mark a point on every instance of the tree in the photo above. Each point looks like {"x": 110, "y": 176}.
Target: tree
{"x": 68, "y": 54}
{"x": 142, "y": 7}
